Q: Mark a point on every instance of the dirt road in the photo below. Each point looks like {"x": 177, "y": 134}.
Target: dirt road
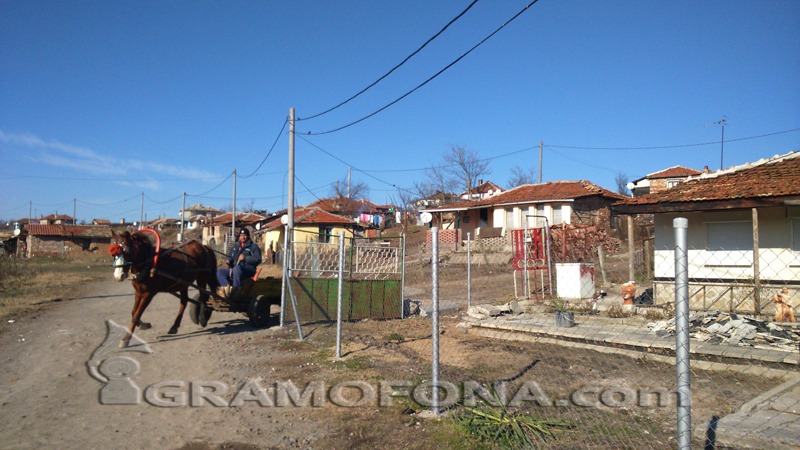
{"x": 48, "y": 399}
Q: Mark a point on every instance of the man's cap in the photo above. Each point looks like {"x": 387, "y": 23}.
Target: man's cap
{"x": 244, "y": 231}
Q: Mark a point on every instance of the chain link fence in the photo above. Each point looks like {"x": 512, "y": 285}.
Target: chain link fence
{"x": 567, "y": 334}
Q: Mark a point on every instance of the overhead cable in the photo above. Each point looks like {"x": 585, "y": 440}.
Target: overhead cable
{"x": 393, "y": 68}
{"x": 269, "y": 152}
{"x": 429, "y": 79}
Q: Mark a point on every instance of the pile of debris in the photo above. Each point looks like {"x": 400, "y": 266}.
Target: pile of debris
{"x": 481, "y": 312}
{"x": 719, "y": 327}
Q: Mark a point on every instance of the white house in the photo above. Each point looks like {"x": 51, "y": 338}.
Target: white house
{"x": 743, "y": 235}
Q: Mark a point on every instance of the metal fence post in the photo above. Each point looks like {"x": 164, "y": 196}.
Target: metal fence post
{"x": 435, "y": 320}
{"x": 684, "y": 405}
{"x": 339, "y": 297}
{"x": 403, "y": 283}
{"x": 469, "y": 274}
{"x": 285, "y": 277}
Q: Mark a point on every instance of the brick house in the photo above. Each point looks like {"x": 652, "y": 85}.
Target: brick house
{"x": 61, "y": 239}
{"x": 57, "y": 219}
{"x": 662, "y": 180}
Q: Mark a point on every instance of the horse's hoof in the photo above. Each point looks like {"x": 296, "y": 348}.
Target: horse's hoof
{"x": 172, "y": 331}
{"x": 123, "y": 344}
{"x": 144, "y": 326}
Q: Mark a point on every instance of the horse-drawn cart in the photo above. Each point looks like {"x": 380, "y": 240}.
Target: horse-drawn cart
{"x": 254, "y": 299}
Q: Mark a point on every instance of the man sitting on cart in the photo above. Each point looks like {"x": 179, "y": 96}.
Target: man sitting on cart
{"x": 245, "y": 256}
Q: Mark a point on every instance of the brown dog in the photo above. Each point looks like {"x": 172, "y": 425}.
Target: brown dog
{"x": 783, "y": 307}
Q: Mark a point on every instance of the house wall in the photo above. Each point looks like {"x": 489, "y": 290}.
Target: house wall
{"x": 303, "y": 233}
{"x": 776, "y": 259}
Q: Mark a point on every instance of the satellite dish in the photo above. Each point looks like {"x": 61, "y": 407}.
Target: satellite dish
{"x": 258, "y": 226}
{"x": 426, "y": 217}
{"x": 16, "y": 231}
{"x": 284, "y": 219}
{"x": 630, "y": 185}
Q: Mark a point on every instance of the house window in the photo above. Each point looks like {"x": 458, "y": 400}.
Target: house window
{"x": 729, "y": 236}
{"x": 540, "y": 217}
{"x": 796, "y": 240}
{"x": 729, "y": 243}
{"x": 509, "y": 218}
{"x": 325, "y": 234}
{"x": 672, "y": 183}
{"x": 557, "y": 215}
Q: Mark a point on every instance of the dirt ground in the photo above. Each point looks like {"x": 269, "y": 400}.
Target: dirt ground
{"x": 49, "y": 399}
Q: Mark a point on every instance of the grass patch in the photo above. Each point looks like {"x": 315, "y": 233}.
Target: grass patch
{"x": 496, "y": 425}
{"x": 394, "y": 337}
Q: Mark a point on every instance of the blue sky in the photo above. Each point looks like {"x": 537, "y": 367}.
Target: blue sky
{"x": 101, "y": 101}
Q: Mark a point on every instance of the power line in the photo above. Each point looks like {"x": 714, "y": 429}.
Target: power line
{"x": 395, "y": 67}
{"x": 111, "y": 203}
{"x": 350, "y": 165}
{"x": 212, "y": 189}
{"x": 164, "y": 202}
{"x": 7, "y": 176}
{"x": 429, "y": 79}
{"x": 269, "y": 152}
{"x": 670, "y": 146}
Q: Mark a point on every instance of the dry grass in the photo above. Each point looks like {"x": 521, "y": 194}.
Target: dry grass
{"x": 28, "y": 285}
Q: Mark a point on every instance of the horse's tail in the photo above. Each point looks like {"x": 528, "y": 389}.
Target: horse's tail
{"x": 211, "y": 265}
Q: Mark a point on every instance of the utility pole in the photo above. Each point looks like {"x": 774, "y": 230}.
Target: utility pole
{"x": 290, "y": 208}
{"x": 348, "y": 182}
{"x": 183, "y": 214}
{"x": 540, "y": 161}
{"x": 74, "y": 214}
{"x": 30, "y": 208}
{"x": 141, "y": 213}
{"x": 233, "y": 212}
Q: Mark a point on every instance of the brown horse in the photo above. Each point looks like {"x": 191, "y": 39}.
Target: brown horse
{"x": 156, "y": 270}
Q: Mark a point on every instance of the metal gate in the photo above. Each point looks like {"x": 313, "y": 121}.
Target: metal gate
{"x": 373, "y": 277}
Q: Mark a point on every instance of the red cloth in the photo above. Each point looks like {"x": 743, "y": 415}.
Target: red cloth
{"x": 115, "y": 250}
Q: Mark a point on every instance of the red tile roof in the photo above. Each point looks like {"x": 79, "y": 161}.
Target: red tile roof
{"x": 70, "y": 230}
{"x": 778, "y": 176}
{"x": 485, "y": 188}
{"x": 309, "y": 216}
{"x": 344, "y": 204}
{"x": 241, "y": 218}
{"x": 57, "y": 217}
{"x": 672, "y": 172}
{"x": 554, "y": 190}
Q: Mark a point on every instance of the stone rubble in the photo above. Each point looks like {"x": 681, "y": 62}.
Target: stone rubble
{"x": 719, "y": 327}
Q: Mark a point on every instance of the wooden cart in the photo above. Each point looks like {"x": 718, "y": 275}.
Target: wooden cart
{"x": 255, "y": 299}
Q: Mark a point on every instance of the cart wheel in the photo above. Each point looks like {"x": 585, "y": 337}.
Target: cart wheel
{"x": 204, "y": 313}
{"x": 194, "y": 310}
{"x": 258, "y": 312}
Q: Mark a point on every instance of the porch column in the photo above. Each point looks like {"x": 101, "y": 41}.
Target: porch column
{"x": 631, "y": 272}
{"x": 756, "y": 265}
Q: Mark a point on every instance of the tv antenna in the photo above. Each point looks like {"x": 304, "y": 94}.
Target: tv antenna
{"x": 722, "y": 142}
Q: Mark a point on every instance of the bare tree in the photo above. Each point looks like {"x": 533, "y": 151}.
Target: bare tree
{"x": 358, "y": 190}
{"x": 247, "y": 207}
{"x": 464, "y": 167}
{"x": 622, "y": 184}
{"x": 519, "y": 177}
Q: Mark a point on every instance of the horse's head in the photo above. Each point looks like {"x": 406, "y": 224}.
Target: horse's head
{"x": 121, "y": 249}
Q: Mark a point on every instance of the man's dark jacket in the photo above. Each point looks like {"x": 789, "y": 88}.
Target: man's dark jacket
{"x": 252, "y": 254}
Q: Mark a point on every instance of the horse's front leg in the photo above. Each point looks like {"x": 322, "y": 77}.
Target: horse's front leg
{"x": 184, "y": 301}
{"x": 142, "y": 302}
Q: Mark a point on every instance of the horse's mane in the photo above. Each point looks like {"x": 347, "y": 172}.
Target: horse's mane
{"x": 141, "y": 237}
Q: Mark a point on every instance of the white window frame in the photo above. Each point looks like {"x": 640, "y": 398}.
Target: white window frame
{"x": 795, "y": 232}
{"x": 730, "y": 257}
